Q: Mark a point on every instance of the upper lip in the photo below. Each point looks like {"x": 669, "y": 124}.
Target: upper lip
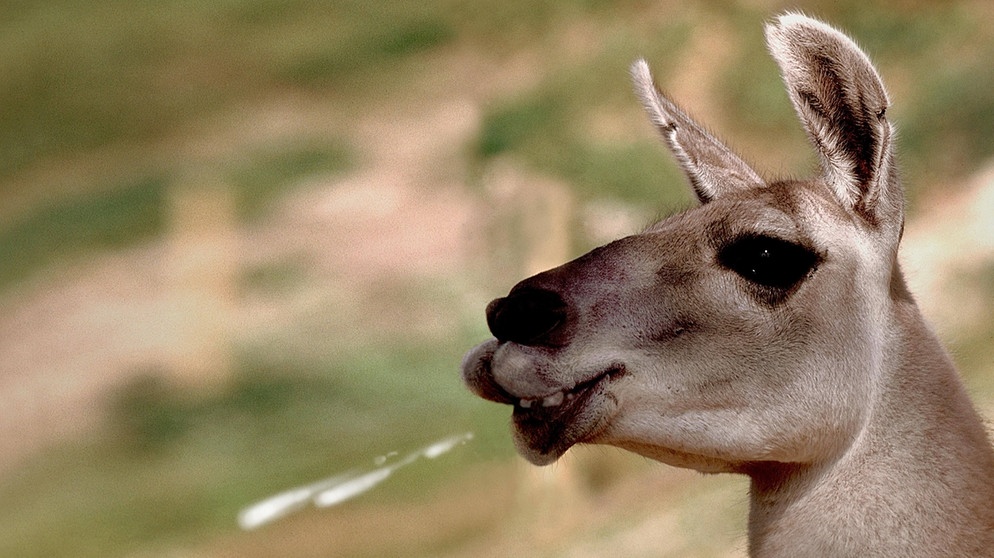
{"x": 557, "y": 398}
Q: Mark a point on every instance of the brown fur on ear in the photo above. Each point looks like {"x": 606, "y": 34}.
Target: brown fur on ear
{"x": 842, "y": 104}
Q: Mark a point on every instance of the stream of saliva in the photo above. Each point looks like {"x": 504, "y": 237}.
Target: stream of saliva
{"x": 339, "y": 488}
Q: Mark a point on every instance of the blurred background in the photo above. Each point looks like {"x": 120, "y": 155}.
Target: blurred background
{"x": 245, "y": 243}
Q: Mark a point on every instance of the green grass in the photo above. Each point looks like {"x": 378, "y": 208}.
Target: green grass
{"x": 173, "y": 466}
{"x": 360, "y": 49}
{"x": 81, "y": 77}
{"x": 267, "y": 175}
{"x": 273, "y": 278}
{"x": 77, "y": 77}
{"x": 547, "y": 127}
{"x": 130, "y": 213}
{"x": 121, "y": 216}
{"x": 537, "y": 129}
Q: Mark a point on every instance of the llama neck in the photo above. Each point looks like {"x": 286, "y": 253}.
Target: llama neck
{"x": 919, "y": 481}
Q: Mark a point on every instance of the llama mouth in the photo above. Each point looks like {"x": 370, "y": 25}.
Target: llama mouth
{"x": 545, "y": 427}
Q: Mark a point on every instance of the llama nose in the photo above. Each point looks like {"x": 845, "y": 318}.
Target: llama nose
{"x": 528, "y": 317}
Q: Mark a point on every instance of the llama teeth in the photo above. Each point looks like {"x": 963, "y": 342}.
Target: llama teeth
{"x": 554, "y": 400}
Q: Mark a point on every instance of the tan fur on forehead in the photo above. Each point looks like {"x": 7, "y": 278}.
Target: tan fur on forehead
{"x": 777, "y": 209}
{"x": 783, "y": 209}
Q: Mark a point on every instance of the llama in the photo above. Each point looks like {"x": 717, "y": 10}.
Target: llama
{"x": 766, "y": 332}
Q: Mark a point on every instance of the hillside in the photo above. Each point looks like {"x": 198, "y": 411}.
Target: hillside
{"x": 246, "y": 243}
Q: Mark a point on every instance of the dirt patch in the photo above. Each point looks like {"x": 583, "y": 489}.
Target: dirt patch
{"x": 951, "y": 240}
{"x": 69, "y": 338}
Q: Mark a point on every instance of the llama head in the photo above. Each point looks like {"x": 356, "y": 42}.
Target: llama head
{"x": 744, "y": 330}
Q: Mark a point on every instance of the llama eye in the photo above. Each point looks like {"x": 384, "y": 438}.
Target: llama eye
{"x": 768, "y": 261}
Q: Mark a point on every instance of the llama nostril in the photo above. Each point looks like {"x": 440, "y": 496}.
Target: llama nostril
{"x": 527, "y": 316}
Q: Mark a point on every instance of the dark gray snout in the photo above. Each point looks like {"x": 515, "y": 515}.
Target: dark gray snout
{"x": 529, "y": 316}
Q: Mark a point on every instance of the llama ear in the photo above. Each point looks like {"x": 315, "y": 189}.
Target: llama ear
{"x": 842, "y": 104}
{"x": 712, "y": 168}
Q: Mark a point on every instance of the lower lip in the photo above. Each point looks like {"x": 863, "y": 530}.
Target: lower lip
{"x": 545, "y": 427}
